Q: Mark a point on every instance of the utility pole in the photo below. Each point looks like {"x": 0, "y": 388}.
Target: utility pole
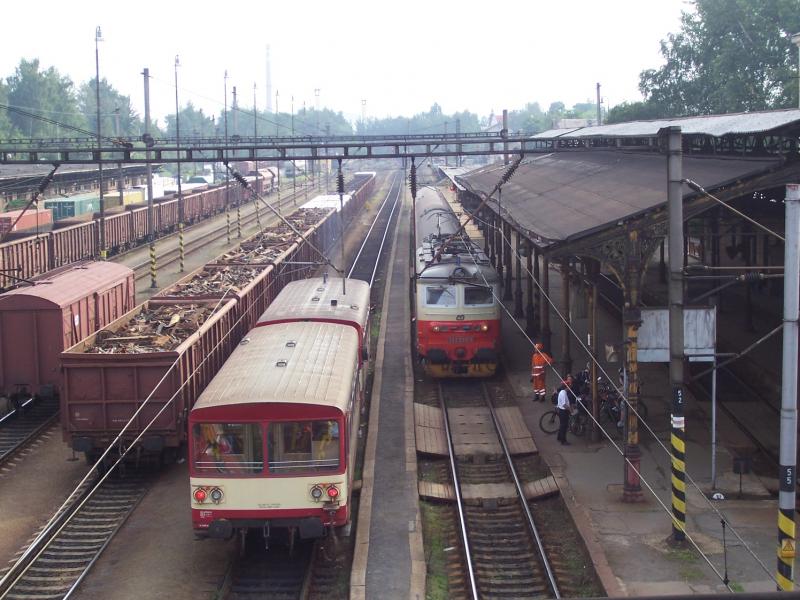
{"x": 151, "y": 230}
{"x": 120, "y": 174}
{"x": 235, "y": 111}
{"x": 98, "y": 37}
{"x": 181, "y": 215}
{"x": 675, "y": 244}
{"x": 446, "y": 147}
{"x": 227, "y": 172}
{"x": 788, "y": 436}
{"x": 796, "y": 42}
{"x": 458, "y": 133}
{"x": 505, "y": 134}
{"x": 599, "y": 114}
{"x": 255, "y": 137}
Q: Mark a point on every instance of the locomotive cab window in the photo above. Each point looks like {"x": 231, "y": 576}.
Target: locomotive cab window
{"x": 478, "y": 296}
{"x": 234, "y": 448}
{"x": 440, "y": 295}
{"x": 297, "y": 447}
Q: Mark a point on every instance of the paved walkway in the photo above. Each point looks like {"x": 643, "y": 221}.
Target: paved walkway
{"x": 389, "y": 560}
{"x": 630, "y": 542}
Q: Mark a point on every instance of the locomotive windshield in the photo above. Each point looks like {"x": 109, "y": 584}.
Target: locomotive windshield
{"x": 478, "y": 296}
{"x": 234, "y": 448}
{"x": 440, "y": 295}
{"x": 297, "y": 447}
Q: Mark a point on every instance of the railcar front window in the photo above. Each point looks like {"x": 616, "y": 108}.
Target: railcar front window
{"x": 440, "y": 295}
{"x": 478, "y": 296}
{"x": 233, "y": 448}
{"x": 297, "y": 447}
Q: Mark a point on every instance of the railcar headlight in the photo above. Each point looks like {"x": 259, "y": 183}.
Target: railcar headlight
{"x": 316, "y": 492}
{"x": 484, "y": 327}
{"x": 200, "y": 495}
{"x": 435, "y": 329}
{"x": 216, "y": 495}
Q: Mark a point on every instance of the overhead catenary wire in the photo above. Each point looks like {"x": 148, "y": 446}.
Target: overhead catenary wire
{"x": 625, "y": 400}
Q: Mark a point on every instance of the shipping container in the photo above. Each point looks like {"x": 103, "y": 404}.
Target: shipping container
{"x": 27, "y": 220}
{"x": 39, "y": 321}
{"x": 103, "y": 388}
{"x": 64, "y": 208}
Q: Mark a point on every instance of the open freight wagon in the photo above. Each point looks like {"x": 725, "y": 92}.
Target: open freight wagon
{"x": 170, "y": 347}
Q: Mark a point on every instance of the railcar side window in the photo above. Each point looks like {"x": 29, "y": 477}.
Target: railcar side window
{"x": 234, "y": 448}
{"x": 440, "y": 295}
{"x": 303, "y": 446}
{"x": 478, "y": 296}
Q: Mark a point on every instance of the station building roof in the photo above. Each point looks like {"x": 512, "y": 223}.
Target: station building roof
{"x": 559, "y": 197}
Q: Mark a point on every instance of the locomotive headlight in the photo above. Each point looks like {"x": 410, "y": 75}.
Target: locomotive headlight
{"x": 484, "y": 327}
{"x": 200, "y": 495}
{"x": 316, "y": 492}
{"x": 216, "y": 495}
{"x": 435, "y": 329}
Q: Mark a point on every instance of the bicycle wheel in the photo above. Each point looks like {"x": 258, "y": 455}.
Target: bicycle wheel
{"x": 549, "y": 422}
{"x": 577, "y": 424}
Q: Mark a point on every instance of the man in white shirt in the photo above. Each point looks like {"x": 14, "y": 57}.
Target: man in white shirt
{"x": 563, "y": 409}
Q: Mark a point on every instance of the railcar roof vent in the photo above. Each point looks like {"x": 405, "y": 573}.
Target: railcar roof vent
{"x": 320, "y": 289}
{"x": 282, "y": 362}
{"x": 291, "y": 344}
{"x": 315, "y": 299}
{"x": 334, "y": 302}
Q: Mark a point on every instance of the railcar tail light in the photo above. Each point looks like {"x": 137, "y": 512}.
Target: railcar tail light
{"x": 216, "y": 495}
{"x": 333, "y": 492}
{"x": 484, "y": 327}
{"x": 200, "y": 495}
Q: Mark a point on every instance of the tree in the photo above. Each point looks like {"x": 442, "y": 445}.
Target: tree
{"x": 44, "y": 93}
{"x": 729, "y": 56}
{"x": 117, "y": 117}
{"x": 7, "y": 130}
{"x": 634, "y": 111}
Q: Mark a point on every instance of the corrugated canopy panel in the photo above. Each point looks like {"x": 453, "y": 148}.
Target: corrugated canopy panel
{"x": 65, "y": 287}
{"x": 716, "y": 125}
{"x": 565, "y": 195}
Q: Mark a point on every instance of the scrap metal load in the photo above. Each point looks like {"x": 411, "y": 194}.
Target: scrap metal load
{"x": 152, "y": 330}
{"x": 145, "y": 357}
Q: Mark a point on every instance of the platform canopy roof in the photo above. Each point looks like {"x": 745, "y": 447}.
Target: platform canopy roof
{"x": 556, "y": 198}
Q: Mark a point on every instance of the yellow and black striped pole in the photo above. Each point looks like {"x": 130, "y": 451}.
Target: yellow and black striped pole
{"x": 676, "y": 347}
{"x": 153, "y": 283}
{"x": 181, "y": 245}
{"x": 787, "y": 492}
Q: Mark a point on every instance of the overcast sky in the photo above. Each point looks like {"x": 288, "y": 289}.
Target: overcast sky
{"x": 400, "y": 58}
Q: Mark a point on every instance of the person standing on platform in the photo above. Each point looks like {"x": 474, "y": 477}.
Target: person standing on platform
{"x": 563, "y": 408}
{"x": 539, "y": 362}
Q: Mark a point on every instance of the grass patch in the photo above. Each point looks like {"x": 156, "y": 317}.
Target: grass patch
{"x": 736, "y": 587}
{"x": 437, "y": 587}
{"x": 688, "y": 559}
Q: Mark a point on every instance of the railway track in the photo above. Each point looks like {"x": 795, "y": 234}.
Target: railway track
{"x": 518, "y": 566}
{"x": 172, "y": 255}
{"x": 59, "y": 559}
{"x": 19, "y": 431}
{"x": 368, "y": 258}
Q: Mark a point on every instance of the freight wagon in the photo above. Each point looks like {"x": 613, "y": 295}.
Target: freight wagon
{"x": 39, "y": 321}
{"x": 31, "y": 219}
{"x": 103, "y": 386}
{"x": 27, "y": 257}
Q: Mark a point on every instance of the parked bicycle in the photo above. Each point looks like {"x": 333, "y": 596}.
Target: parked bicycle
{"x": 576, "y": 424}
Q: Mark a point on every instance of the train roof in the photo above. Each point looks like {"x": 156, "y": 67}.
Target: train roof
{"x": 327, "y": 201}
{"x": 299, "y": 363}
{"x": 314, "y": 298}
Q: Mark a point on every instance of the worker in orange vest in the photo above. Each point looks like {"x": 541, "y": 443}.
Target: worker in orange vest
{"x": 539, "y": 362}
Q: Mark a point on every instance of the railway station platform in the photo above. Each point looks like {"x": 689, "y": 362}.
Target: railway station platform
{"x": 630, "y": 543}
{"x": 389, "y": 561}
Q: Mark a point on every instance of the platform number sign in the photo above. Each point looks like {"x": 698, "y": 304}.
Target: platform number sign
{"x": 787, "y": 478}
{"x": 677, "y": 400}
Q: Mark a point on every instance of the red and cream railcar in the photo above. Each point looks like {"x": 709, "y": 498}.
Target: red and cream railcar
{"x": 456, "y": 296}
{"x": 273, "y": 438}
